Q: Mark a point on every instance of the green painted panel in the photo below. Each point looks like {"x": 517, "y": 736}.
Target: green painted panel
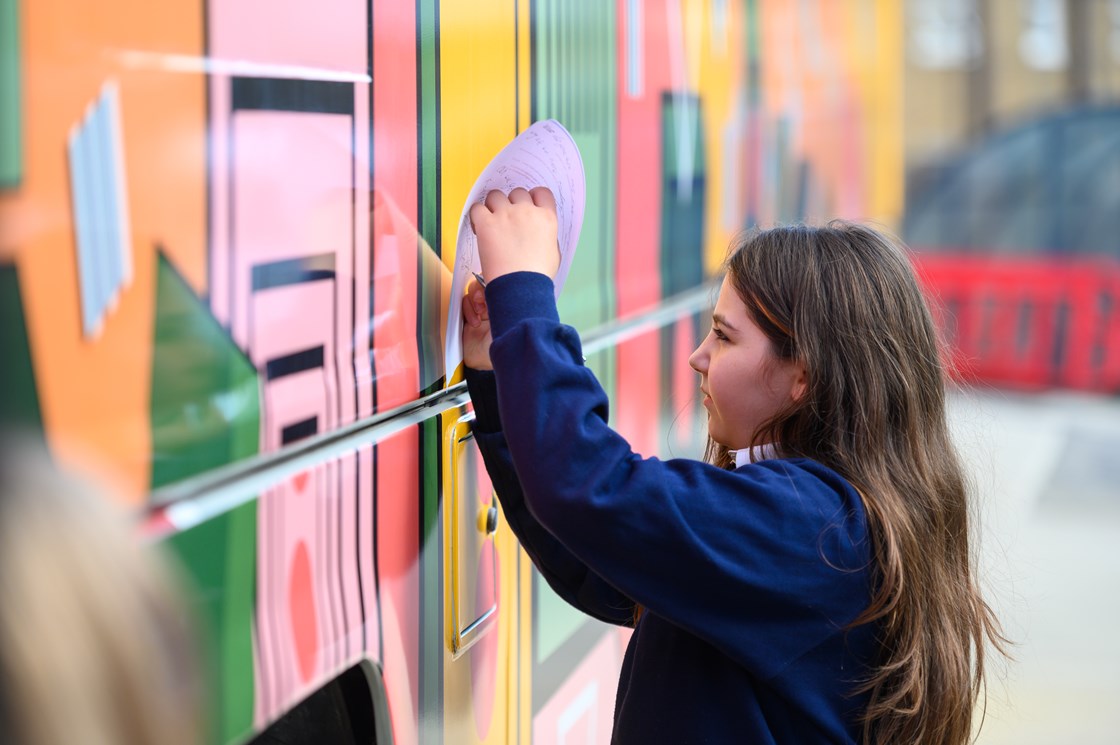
{"x": 205, "y": 405}
{"x": 575, "y": 82}
{"x": 205, "y": 412}
{"x": 683, "y": 195}
{"x": 430, "y": 684}
{"x": 11, "y": 112}
{"x": 580, "y": 304}
{"x": 754, "y": 35}
{"x": 19, "y": 399}
{"x": 554, "y": 620}
{"x": 684, "y": 186}
{"x": 219, "y": 557}
{"x": 786, "y": 184}
{"x": 429, "y": 338}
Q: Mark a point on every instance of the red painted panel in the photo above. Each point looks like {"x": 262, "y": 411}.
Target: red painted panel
{"x": 639, "y": 220}
{"x": 393, "y": 206}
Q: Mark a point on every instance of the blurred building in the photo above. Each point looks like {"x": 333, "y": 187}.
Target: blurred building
{"x": 973, "y": 66}
{"x": 1012, "y": 149}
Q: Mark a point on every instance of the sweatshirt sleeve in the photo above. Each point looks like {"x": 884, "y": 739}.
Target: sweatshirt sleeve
{"x": 567, "y": 575}
{"x": 765, "y": 562}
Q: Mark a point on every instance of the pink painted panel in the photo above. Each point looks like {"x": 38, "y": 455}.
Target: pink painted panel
{"x": 329, "y": 34}
{"x": 290, "y": 176}
{"x": 359, "y": 336}
{"x": 361, "y": 345}
{"x": 582, "y": 710}
{"x": 293, "y": 318}
{"x": 293, "y": 609}
{"x": 291, "y": 184}
{"x": 686, "y": 385}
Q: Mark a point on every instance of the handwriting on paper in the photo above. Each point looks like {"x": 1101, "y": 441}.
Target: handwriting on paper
{"x": 543, "y": 155}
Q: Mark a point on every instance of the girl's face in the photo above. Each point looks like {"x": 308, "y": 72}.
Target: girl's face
{"x": 743, "y": 382}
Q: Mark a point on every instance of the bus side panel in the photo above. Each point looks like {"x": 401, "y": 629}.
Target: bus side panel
{"x": 479, "y": 69}
{"x": 230, "y": 232}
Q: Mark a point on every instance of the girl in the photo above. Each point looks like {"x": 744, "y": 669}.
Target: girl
{"x": 812, "y": 582}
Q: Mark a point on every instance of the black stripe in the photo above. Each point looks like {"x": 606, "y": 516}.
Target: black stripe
{"x": 287, "y": 94}
{"x": 293, "y": 271}
{"x": 296, "y": 362}
{"x": 299, "y": 430}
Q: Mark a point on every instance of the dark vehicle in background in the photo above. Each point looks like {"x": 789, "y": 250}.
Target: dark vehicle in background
{"x": 1018, "y": 243}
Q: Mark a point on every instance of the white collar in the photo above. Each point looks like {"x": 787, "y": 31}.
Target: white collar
{"x": 754, "y": 454}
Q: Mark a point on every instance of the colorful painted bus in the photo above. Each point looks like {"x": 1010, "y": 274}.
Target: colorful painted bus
{"x": 225, "y": 233}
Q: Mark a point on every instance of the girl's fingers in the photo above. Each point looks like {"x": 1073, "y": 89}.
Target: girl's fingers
{"x": 542, "y": 197}
{"x": 494, "y": 200}
{"x": 474, "y": 304}
{"x": 478, "y": 300}
{"x": 470, "y": 313}
{"x": 478, "y": 213}
{"x": 520, "y": 196}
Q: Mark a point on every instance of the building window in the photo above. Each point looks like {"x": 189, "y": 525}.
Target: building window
{"x": 1114, "y": 36}
{"x": 945, "y": 34}
{"x": 1044, "y": 42}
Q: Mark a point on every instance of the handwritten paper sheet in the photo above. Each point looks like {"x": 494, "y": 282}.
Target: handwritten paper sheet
{"x": 543, "y": 155}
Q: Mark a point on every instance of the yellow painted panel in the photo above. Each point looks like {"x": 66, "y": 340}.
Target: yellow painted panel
{"x": 479, "y": 113}
{"x": 720, "y": 61}
{"x": 475, "y": 706}
{"x": 887, "y": 168}
{"x": 524, "y": 66}
{"x": 478, "y": 98}
{"x": 524, "y": 646}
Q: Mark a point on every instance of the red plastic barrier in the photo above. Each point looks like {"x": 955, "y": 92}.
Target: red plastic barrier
{"x": 1028, "y": 322}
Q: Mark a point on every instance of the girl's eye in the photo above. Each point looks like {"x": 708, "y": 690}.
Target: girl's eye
{"x": 719, "y": 334}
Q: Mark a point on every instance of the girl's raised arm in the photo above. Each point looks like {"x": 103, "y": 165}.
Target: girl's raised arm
{"x": 565, "y": 573}
{"x": 764, "y": 563}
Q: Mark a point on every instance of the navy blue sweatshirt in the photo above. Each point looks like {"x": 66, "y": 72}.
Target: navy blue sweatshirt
{"x": 748, "y": 578}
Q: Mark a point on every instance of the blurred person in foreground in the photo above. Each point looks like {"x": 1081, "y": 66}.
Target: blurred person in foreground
{"x": 95, "y": 642}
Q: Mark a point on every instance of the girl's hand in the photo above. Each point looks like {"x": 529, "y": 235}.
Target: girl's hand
{"x": 476, "y": 328}
{"x": 517, "y": 233}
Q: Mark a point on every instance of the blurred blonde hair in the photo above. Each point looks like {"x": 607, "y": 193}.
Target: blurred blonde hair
{"x": 95, "y": 645}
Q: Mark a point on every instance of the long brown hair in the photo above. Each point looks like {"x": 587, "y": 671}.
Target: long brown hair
{"x": 95, "y": 642}
{"x": 843, "y": 301}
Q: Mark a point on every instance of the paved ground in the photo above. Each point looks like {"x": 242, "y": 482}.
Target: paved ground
{"x": 1047, "y": 469}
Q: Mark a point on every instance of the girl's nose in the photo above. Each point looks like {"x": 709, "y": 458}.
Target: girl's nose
{"x": 698, "y": 360}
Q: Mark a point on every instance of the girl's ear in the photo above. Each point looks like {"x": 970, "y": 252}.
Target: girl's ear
{"x": 799, "y": 383}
